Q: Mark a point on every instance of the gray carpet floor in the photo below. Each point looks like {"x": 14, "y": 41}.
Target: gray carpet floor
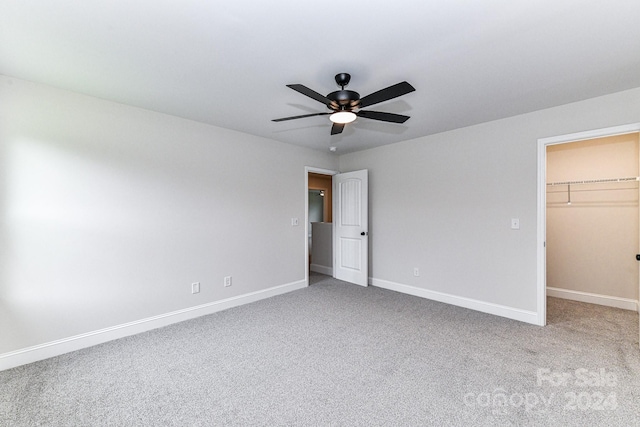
{"x": 342, "y": 355}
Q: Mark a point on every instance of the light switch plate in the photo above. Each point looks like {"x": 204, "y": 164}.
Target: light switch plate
{"x": 515, "y": 224}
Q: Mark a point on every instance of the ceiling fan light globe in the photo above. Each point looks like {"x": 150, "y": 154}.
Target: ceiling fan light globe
{"x": 342, "y": 117}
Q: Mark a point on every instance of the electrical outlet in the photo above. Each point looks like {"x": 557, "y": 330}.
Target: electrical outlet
{"x": 227, "y": 281}
{"x": 416, "y": 272}
{"x": 195, "y": 287}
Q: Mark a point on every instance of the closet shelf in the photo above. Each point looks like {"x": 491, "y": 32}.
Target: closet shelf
{"x": 595, "y": 181}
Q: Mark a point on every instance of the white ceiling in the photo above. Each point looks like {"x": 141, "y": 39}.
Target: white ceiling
{"x": 227, "y": 62}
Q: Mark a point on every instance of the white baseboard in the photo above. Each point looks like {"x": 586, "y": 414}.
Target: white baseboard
{"x": 609, "y": 301}
{"x": 322, "y": 269}
{"x": 482, "y": 306}
{"x": 77, "y": 342}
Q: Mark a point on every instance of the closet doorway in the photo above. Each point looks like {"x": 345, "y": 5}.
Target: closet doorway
{"x": 592, "y": 221}
{"x": 589, "y": 218}
{"x": 320, "y": 221}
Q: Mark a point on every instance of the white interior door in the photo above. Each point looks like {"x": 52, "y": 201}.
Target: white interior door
{"x": 351, "y": 232}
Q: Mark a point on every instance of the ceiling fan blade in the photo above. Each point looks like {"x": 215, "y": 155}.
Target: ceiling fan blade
{"x": 337, "y": 128}
{"x": 310, "y": 93}
{"x": 299, "y": 117}
{"x": 386, "y": 94}
{"x": 385, "y": 117}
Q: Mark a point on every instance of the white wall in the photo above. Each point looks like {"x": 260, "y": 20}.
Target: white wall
{"x": 316, "y": 206}
{"x": 443, "y": 203}
{"x": 591, "y": 243}
{"x": 108, "y": 213}
{"x": 322, "y": 248}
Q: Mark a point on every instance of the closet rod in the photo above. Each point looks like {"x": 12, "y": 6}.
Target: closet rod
{"x": 595, "y": 181}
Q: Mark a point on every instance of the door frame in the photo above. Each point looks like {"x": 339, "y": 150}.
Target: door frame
{"x": 543, "y": 143}
{"x": 320, "y": 171}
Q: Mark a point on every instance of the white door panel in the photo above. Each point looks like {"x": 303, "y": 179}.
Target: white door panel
{"x": 350, "y": 192}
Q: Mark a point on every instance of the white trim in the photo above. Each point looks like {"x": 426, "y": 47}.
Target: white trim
{"x": 591, "y": 134}
{"x": 77, "y": 342}
{"x": 482, "y": 306}
{"x": 542, "y": 201}
{"x": 322, "y": 269}
{"x": 541, "y": 267}
{"x": 609, "y": 301}
{"x": 320, "y": 171}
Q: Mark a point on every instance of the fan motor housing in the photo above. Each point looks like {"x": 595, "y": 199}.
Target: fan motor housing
{"x": 345, "y": 98}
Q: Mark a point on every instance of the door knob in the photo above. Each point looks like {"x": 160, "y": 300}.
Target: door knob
{"x": 364, "y": 233}
{"x": 637, "y": 257}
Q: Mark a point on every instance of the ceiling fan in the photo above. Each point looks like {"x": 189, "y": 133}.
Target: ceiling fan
{"x": 345, "y": 105}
